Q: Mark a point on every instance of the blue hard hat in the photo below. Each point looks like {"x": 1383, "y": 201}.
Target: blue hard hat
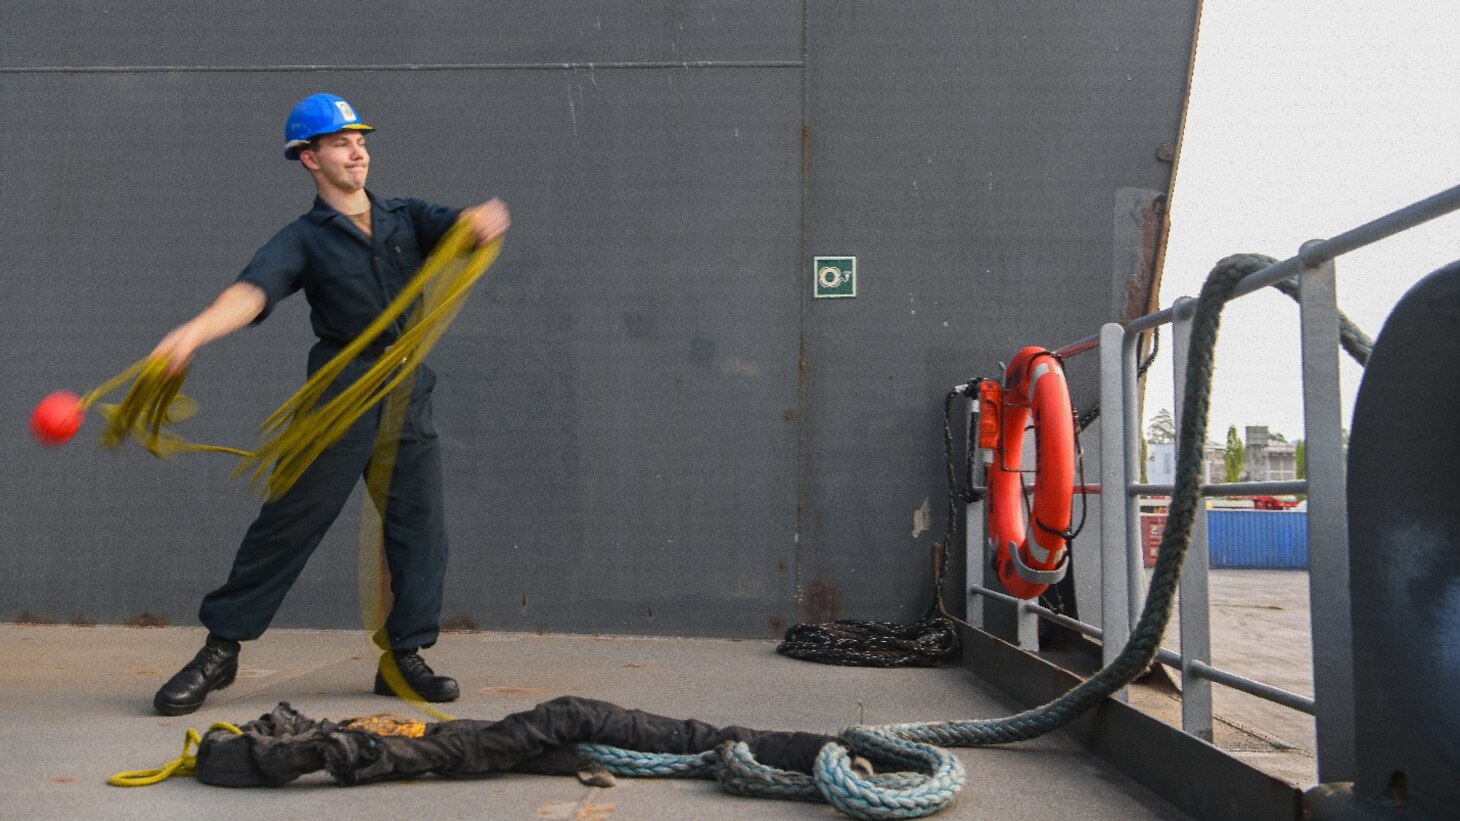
{"x": 316, "y": 115}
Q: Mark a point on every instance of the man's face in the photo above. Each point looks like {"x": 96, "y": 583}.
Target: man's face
{"x": 340, "y": 159}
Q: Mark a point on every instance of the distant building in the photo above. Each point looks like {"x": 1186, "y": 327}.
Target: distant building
{"x": 1265, "y": 460}
{"x": 1216, "y": 464}
{"x": 1161, "y": 463}
{"x": 1268, "y": 459}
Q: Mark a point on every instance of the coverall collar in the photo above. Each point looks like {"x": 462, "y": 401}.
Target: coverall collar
{"x": 323, "y": 212}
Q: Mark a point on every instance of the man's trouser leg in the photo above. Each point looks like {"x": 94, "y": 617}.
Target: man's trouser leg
{"x": 285, "y": 534}
{"x": 415, "y": 527}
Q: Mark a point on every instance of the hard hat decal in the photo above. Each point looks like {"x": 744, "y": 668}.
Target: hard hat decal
{"x": 345, "y": 110}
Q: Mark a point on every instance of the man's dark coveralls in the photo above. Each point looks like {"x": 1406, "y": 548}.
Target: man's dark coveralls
{"x": 348, "y": 280}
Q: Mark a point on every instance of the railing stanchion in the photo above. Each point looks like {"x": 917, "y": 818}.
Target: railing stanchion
{"x": 1135, "y": 571}
{"x": 1328, "y": 566}
{"x": 1195, "y": 622}
{"x": 1114, "y": 580}
{"x": 975, "y": 559}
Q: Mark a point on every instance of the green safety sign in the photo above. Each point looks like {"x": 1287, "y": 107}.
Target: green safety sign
{"x": 834, "y": 276}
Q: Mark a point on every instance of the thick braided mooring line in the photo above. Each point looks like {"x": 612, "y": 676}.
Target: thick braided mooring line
{"x": 1350, "y": 336}
{"x": 740, "y": 774}
{"x": 635, "y": 764}
{"x": 937, "y": 773}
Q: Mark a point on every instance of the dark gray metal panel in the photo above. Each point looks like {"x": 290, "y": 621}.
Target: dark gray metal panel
{"x": 617, "y": 400}
{"x": 333, "y": 32}
{"x": 649, "y": 425}
{"x": 620, "y": 395}
{"x": 117, "y": 225}
{"x": 971, "y": 155}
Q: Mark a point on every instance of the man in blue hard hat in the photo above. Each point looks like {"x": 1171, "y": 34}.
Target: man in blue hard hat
{"x": 351, "y": 254}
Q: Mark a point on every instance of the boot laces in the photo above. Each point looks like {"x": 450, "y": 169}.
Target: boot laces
{"x": 412, "y": 666}
{"x": 212, "y": 655}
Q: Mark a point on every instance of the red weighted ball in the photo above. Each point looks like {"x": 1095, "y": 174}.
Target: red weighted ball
{"x": 57, "y": 418}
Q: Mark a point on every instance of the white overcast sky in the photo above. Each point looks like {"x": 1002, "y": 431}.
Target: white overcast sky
{"x": 1307, "y": 119}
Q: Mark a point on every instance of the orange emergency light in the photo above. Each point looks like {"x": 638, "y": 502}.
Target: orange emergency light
{"x": 990, "y": 408}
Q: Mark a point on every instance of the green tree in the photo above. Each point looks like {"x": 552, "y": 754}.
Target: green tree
{"x": 1232, "y": 459}
{"x": 1162, "y": 429}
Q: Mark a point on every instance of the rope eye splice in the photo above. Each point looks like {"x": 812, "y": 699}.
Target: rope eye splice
{"x": 184, "y": 765}
{"x": 1028, "y": 563}
{"x": 928, "y": 780}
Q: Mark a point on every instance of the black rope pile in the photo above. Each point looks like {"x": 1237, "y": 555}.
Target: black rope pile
{"x": 927, "y": 642}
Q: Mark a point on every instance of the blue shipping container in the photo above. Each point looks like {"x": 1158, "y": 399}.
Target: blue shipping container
{"x": 1258, "y": 538}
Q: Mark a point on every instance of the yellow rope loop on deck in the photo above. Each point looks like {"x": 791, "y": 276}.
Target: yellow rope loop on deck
{"x": 183, "y": 765}
{"x": 296, "y": 433}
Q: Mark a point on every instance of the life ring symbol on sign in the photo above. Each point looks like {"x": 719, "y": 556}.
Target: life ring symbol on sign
{"x": 830, "y": 276}
{"x": 1028, "y": 563}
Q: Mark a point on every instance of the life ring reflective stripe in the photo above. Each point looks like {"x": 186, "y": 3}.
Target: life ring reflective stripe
{"x": 1034, "y": 382}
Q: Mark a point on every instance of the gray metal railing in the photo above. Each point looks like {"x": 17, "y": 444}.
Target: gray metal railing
{"x": 1122, "y": 580}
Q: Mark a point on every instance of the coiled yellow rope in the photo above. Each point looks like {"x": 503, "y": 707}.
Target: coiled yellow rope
{"x": 153, "y": 400}
{"x": 183, "y": 765}
{"x": 296, "y": 433}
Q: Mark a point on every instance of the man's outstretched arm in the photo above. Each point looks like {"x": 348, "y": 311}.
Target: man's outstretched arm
{"x": 238, "y": 305}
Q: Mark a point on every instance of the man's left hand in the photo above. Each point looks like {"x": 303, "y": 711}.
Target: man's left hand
{"x": 488, "y": 221}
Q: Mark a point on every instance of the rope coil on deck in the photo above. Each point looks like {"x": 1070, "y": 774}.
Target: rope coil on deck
{"x": 930, "y": 778}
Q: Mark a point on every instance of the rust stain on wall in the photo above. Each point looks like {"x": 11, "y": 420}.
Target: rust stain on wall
{"x": 459, "y": 624}
{"x": 820, "y": 604}
{"x": 1142, "y": 286}
{"x": 149, "y": 619}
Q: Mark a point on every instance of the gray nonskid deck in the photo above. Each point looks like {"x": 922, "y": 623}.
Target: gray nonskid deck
{"x": 75, "y": 707}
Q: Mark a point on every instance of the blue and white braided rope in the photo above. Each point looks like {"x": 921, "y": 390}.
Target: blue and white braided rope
{"x": 938, "y": 776}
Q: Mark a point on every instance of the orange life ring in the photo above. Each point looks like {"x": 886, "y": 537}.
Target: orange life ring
{"x": 1034, "y": 381}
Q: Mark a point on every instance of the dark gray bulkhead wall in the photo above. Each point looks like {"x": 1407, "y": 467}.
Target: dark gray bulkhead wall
{"x": 650, "y": 425}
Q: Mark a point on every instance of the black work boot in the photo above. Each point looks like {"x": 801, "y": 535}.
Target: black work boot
{"x": 213, "y": 668}
{"x": 418, "y": 675}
